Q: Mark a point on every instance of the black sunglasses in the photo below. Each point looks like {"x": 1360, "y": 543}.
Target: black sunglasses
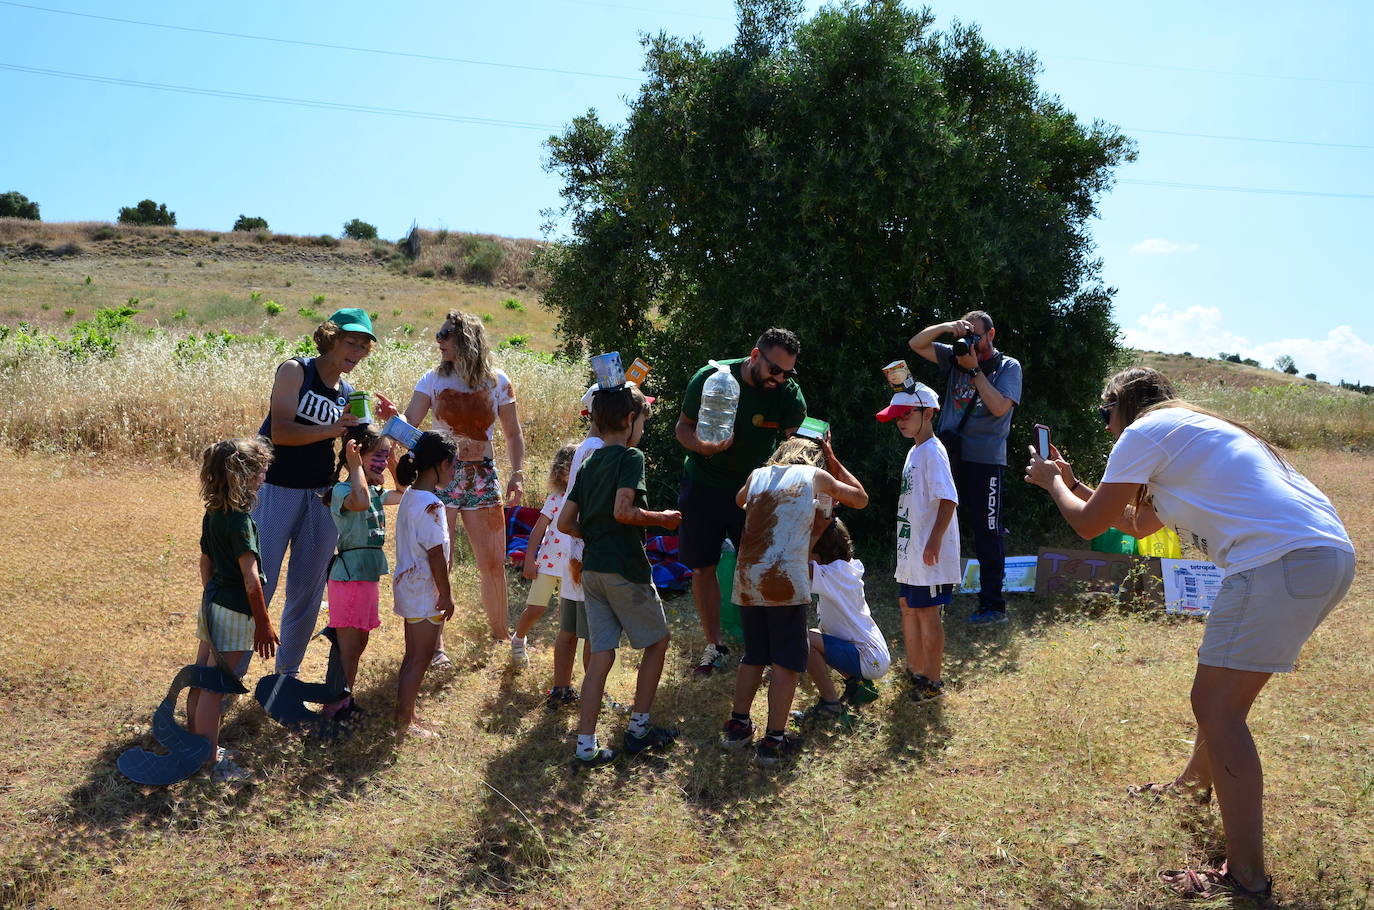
{"x": 774, "y": 369}
{"x": 1105, "y": 412}
{"x": 443, "y": 333}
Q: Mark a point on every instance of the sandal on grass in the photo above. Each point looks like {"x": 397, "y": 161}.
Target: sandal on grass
{"x": 1207, "y": 884}
{"x": 1157, "y": 791}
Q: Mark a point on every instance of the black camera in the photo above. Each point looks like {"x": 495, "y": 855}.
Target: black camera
{"x": 963, "y": 345}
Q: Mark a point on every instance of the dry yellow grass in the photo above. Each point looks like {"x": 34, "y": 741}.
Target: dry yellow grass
{"x": 1008, "y": 794}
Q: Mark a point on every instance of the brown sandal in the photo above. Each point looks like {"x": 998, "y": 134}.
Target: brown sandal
{"x": 1206, "y": 884}
{"x": 1157, "y": 791}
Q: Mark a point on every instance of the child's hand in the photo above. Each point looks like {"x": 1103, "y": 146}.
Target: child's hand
{"x": 671, "y": 519}
{"x": 531, "y": 569}
{"x": 353, "y": 454}
{"x": 265, "y": 639}
{"x": 445, "y": 606}
{"x": 931, "y": 554}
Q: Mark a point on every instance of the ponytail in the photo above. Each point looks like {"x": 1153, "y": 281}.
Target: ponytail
{"x": 432, "y": 450}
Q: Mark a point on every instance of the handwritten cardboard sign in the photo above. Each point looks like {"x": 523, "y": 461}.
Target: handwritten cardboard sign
{"x": 1060, "y": 570}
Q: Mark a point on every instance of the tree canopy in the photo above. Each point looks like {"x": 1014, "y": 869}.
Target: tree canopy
{"x": 15, "y": 204}
{"x": 147, "y": 212}
{"x": 854, "y": 178}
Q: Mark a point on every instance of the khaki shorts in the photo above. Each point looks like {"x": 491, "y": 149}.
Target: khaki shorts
{"x": 615, "y": 605}
{"x": 572, "y": 617}
{"x": 1262, "y": 618}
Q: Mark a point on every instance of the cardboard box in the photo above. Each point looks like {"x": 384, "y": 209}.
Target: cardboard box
{"x": 1179, "y": 585}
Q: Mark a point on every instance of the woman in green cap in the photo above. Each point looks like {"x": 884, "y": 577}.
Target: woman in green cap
{"x": 306, "y": 414}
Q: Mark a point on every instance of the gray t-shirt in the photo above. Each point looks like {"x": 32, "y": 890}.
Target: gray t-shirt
{"x": 984, "y": 436}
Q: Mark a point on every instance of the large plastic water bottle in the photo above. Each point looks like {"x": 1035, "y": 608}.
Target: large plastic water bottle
{"x": 719, "y": 400}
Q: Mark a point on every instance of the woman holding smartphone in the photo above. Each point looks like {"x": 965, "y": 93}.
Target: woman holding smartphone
{"x": 1287, "y": 562}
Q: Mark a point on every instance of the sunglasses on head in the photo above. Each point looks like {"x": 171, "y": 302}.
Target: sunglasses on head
{"x": 774, "y": 369}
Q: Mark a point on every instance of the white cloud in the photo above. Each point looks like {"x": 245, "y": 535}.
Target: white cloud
{"x": 1200, "y": 330}
{"x": 1162, "y": 246}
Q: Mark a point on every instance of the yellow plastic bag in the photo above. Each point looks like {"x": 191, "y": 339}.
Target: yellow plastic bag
{"x": 1163, "y": 543}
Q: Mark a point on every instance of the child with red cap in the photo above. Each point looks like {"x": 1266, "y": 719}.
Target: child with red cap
{"x": 925, "y": 511}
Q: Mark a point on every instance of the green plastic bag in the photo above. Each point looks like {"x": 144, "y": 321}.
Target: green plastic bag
{"x": 1113, "y": 541}
{"x": 729, "y": 613}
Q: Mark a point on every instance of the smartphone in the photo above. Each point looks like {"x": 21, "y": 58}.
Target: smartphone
{"x": 1042, "y": 441}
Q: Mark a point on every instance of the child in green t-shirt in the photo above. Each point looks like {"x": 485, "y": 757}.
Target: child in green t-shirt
{"x": 355, "y": 571}
{"x": 233, "y": 618}
{"x": 605, "y": 507}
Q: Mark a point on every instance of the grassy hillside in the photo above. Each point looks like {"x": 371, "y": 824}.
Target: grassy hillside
{"x": 56, "y": 274}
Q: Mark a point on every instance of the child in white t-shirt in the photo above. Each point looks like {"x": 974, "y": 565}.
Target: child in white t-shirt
{"x": 847, "y": 638}
{"x": 927, "y": 538}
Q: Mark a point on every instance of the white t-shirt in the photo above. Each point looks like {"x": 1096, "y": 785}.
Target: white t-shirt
{"x": 571, "y": 585}
{"x": 771, "y": 569}
{"x": 552, "y": 552}
{"x": 926, "y": 479}
{"x": 469, "y": 414}
{"x": 420, "y": 526}
{"x": 1222, "y": 491}
{"x": 843, "y": 612}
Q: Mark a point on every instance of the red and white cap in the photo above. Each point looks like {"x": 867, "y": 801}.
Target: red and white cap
{"x": 594, "y": 388}
{"x": 919, "y": 396}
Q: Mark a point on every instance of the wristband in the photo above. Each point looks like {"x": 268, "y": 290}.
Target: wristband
{"x": 1076, "y": 484}
{"x": 972, "y": 372}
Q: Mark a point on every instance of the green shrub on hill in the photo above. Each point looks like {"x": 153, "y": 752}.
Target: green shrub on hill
{"x": 246, "y": 223}
{"x": 16, "y": 205}
{"x": 357, "y": 229}
{"x": 147, "y": 212}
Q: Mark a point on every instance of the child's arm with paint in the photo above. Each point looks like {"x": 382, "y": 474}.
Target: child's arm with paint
{"x": 944, "y": 514}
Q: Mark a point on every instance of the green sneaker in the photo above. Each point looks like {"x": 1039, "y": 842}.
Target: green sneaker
{"x": 655, "y": 739}
{"x": 859, "y": 691}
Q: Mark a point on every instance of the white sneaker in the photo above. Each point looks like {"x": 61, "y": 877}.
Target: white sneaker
{"x": 222, "y": 753}
{"x": 225, "y": 771}
{"x": 519, "y": 652}
{"x": 440, "y": 661}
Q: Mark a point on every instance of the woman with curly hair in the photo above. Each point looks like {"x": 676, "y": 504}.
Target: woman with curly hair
{"x": 468, "y": 395}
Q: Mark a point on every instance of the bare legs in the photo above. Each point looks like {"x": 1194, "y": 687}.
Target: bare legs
{"x": 782, "y": 687}
{"x": 923, "y": 636}
{"x": 706, "y": 595}
{"x": 818, "y": 670}
{"x": 203, "y": 709}
{"x": 421, "y": 639}
{"x": 486, "y": 530}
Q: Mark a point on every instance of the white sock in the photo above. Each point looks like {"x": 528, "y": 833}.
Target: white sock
{"x": 517, "y": 643}
{"x": 586, "y": 745}
{"x": 639, "y": 723}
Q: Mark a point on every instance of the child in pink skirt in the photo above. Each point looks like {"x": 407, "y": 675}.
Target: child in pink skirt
{"x": 358, "y": 566}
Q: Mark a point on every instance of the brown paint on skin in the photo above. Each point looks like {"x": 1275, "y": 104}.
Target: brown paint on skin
{"x": 755, "y": 588}
{"x": 469, "y": 415}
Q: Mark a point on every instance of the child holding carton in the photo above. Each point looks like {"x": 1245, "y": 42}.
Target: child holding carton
{"x": 782, "y": 521}
{"x": 605, "y": 507}
{"x": 925, "y": 512}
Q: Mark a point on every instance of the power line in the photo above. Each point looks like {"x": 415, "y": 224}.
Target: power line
{"x": 1210, "y": 72}
{"x": 1329, "y": 145}
{"x": 295, "y": 102}
{"x": 1245, "y": 189}
{"x": 316, "y": 44}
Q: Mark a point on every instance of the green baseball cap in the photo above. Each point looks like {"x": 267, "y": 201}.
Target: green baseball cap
{"x": 353, "y": 319}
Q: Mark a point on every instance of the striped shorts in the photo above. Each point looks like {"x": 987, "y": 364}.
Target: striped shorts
{"x": 225, "y": 629}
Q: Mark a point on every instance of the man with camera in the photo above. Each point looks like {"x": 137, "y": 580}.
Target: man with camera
{"x": 982, "y": 387}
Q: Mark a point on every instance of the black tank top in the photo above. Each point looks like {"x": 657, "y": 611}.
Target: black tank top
{"x": 309, "y": 466}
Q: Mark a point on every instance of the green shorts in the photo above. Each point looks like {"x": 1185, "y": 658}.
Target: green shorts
{"x": 572, "y": 617}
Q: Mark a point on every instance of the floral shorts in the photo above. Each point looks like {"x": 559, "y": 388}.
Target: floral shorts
{"x": 475, "y": 486}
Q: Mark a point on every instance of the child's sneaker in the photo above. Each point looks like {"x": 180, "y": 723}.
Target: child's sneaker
{"x": 737, "y": 733}
{"x": 560, "y": 697}
{"x": 712, "y": 659}
{"x": 827, "y": 714}
{"x": 773, "y": 751}
{"x": 655, "y": 739}
{"x": 225, "y": 771}
{"x": 601, "y": 756}
{"x": 440, "y": 661}
{"x": 987, "y": 617}
{"x": 519, "y": 652}
{"x": 859, "y": 691}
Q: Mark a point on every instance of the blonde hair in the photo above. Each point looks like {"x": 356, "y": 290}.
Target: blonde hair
{"x": 328, "y": 332}
{"x": 561, "y": 467}
{"x": 229, "y": 471}
{"x": 798, "y": 450}
{"x": 472, "y": 355}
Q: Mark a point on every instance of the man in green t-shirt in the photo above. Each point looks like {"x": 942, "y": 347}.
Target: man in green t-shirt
{"x": 771, "y": 407}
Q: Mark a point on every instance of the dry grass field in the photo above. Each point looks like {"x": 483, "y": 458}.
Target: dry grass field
{"x": 1010, "y": 793}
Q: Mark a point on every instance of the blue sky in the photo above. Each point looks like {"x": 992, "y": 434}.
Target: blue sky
{"x": 1200, "y": 270}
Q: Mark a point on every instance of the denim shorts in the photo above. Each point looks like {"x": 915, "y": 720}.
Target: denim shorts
{"x": 1262, "y": 617}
